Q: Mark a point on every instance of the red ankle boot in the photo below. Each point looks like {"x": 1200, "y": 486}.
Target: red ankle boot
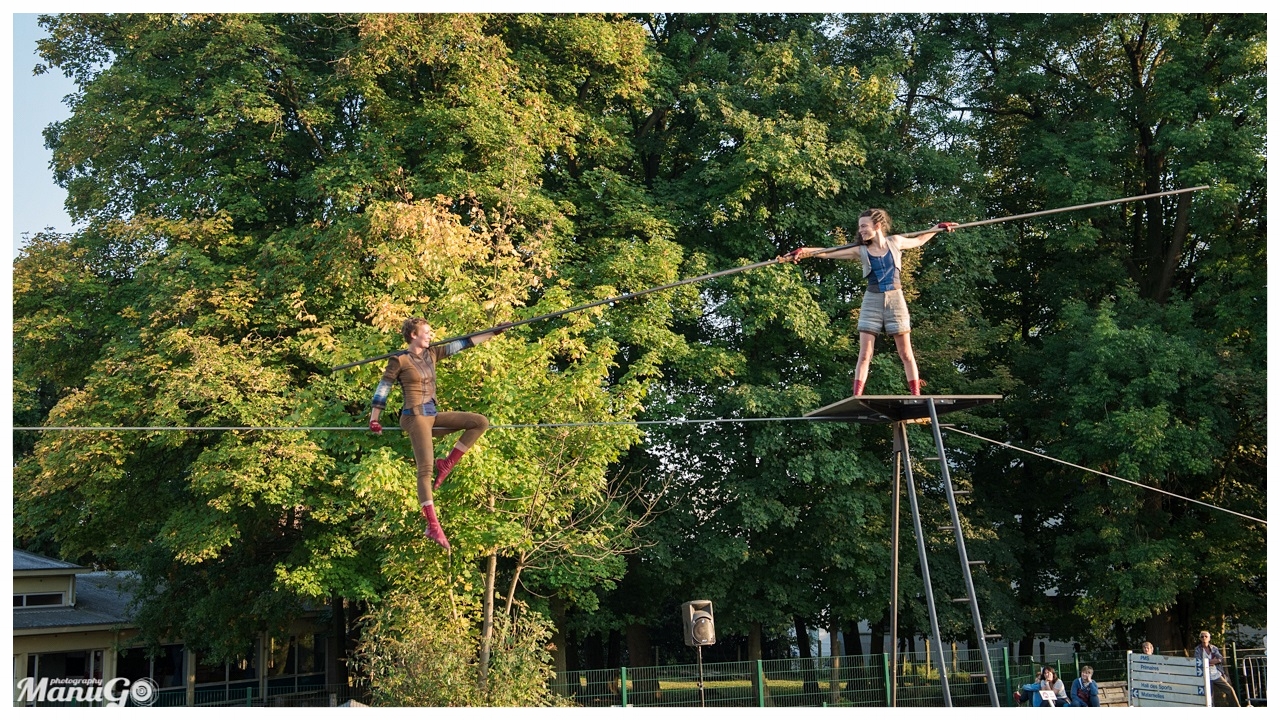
{"x": 915, "y": 386}
{"x": 857, "y": 387}
{"x": 445, "y": 465}
{"x": 434, "y": 532}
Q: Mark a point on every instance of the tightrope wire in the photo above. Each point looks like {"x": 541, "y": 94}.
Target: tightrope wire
{"x": 1107, "y": 475}
{"x": 600, "y": 423}
{"x": 363, "y": 428}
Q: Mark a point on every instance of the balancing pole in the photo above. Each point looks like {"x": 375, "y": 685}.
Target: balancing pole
{"x": 764, "y": 263}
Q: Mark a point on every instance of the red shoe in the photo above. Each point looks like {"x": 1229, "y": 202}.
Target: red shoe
{"x": 857, "y": 387}
{"x": 434, "y": 532}
{"x": 445, "y": 465}
{"x": 915, "y": 386}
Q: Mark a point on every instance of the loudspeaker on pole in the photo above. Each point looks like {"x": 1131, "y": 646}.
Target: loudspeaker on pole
{"x": 699, "y": 623}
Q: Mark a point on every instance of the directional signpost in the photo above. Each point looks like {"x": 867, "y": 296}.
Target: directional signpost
{"x": 1168, "y": 681}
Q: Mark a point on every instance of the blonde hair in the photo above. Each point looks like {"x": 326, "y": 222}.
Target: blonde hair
{"x": 411, "y": 326}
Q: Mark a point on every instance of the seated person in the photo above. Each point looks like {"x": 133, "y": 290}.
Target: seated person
{"x": 1048, "y": 681}
{"x": 1084, "y": 691}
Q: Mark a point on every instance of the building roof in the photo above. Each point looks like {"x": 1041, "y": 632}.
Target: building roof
{"x": 100, "y": 600}
{"x": 24, "y": 561}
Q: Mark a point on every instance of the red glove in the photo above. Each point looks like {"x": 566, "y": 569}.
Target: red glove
{"x": 376, "y": 427}
{"x": 948, "y": 226}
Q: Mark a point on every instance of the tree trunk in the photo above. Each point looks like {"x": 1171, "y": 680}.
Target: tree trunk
{"x": 560, "y": 650}
{"x": 833, "y": 632}
{"x": 599, "y": 691}
{"x": 1160, "y": 630}
{"x": 755, "y": 651}
{"x": 853, "y": 646}
{"x": 806, "y": 656}
{"x": 644, "y": 678}
{"x": 573, "y": 661}
{"x": 613, "y": 661}
{"x": 336, "y": 665}
{"x": 1173, "y": 255}
{"x": 1027, "y": 646}
{"x": 521, "y": 560}
{"x": 486, "y": 630}
{"x": 853, "y": 638}
{"x": 877, "y": 637}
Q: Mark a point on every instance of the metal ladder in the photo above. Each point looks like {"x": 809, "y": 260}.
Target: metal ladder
{"x": 903, "y": 460}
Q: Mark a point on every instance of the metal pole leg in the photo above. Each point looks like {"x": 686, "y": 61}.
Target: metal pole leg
{"x": 965, "y": 564}
{"x": 898, "y": 454}
{"x": 924, "y": 564}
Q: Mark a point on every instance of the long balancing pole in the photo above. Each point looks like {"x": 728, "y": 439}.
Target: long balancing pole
{"x": 764, "y": 263}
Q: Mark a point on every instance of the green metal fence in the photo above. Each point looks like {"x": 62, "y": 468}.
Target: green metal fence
{"x": 847, "y": 681}
{"x": 851, "y": 680}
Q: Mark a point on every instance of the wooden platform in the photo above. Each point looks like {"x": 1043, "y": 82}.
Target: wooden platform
{"x": 1113, "y": 694}
{"x": 896, "y": 408}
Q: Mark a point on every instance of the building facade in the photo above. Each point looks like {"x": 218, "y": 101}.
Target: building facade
{"x": 71, "y": 623}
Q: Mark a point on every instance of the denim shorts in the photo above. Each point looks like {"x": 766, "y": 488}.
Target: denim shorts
{"x": 884, "y": 312}
{"x": 427, "y": 408}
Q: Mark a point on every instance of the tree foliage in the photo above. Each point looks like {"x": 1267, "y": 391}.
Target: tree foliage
{"x": 267, "y": 196}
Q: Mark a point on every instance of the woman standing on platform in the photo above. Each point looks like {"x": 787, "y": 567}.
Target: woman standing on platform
{"x": 884, "y": 309}
{"x": 415, "y": 371}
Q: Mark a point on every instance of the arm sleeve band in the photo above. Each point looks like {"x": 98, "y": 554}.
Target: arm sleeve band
{"x": 384, "y": 385}
{"x": 452, "y": 348}
{"x": 380, "y": 394}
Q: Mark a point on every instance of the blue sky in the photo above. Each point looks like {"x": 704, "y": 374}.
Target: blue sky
{"x": 37, "y": 101}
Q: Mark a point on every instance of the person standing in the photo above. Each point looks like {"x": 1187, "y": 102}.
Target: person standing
{"x": 1213, "y": 658}
{"x": 1148, "y": 648}
{"x": 1084, "y": 691}
{"x": 415, "y": 371}
{"x": 884, "y": 309}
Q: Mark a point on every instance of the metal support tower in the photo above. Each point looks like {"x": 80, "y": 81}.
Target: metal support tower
{"x": 900, "y": 411}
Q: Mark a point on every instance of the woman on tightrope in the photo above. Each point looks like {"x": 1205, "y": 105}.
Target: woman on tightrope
{"x": 884, "y": 309}
{"x": 415, "y": 371}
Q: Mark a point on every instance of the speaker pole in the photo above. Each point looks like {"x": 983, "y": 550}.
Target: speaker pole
{"x": 702, "y": 693}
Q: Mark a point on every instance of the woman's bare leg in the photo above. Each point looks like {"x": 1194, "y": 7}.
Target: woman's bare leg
{"x": 908, "y": 357}
{"x": 866, "y": 344}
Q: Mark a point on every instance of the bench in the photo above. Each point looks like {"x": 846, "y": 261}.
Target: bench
{"x": 1113, "y": 693}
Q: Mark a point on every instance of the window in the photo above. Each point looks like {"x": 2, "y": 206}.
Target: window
{"x": 295, "y": 663}
{"x": 167, "y": 668}
{"x": 38, "y": 599}
{"x": 210, "y": 672}
{"x": 82, "y": 665}
{"x": 226, "y": 682}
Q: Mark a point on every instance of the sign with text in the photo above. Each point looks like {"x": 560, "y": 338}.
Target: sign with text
{"x": 1168, "y": 681}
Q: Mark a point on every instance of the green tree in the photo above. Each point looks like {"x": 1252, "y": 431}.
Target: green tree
{"x": 269, "y": 195}
{"x": 1133, "y": 330}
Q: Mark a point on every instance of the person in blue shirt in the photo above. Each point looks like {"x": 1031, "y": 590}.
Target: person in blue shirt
{"x": 1084, "y": 691}
{"x": 884, "y": 309}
